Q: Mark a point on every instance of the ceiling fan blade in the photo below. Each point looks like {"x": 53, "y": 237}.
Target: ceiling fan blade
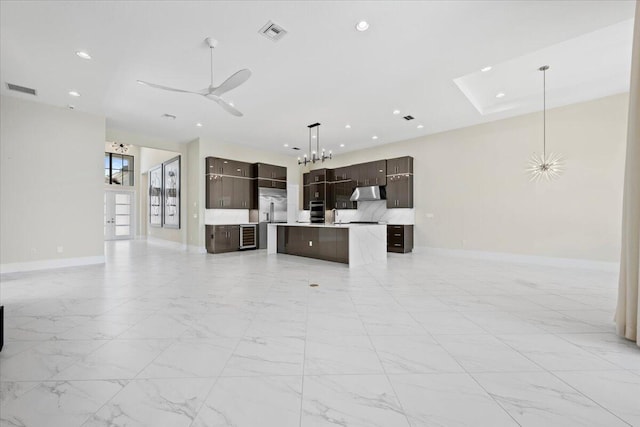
{"x": 224, "y": 104}
{"x": 232, "y": 82}
{"x": 172, "y": 89}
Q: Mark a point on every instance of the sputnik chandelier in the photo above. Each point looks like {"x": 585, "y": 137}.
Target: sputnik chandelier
{"x": 542, "y": 165}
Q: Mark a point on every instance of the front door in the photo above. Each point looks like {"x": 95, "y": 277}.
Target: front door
{"x": 118, "y": 215}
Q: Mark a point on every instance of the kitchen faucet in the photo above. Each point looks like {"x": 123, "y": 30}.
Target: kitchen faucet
{"x": 335, "y": 216}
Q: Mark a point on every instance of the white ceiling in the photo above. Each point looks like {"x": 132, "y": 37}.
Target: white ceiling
{"x": 323, "y": 70}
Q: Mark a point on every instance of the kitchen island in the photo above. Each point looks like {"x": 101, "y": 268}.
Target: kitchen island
{"x": 353, "y": 244}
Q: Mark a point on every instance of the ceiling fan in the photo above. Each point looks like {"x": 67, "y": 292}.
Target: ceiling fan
{"x": 213, "y": 93}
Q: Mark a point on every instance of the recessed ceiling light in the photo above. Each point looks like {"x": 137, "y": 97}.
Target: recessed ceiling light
{"x": 362, "y": 26}
{"x": 74, "y": 93}
{"x": 347, "y": 126}
{"x": 500, "y": 95}
{"x": 199, "y": 125}
{"x": 341, "y": 145}
{"x": 374, "y": 137}
{"x": 420, "y": 126}
{"x": 83, "y": 55}
{"x": 396, "y": 112}
{"x": 314, "y": 137}
{"x": 485, "y": 69}
{"x": 232, "y": 104}
{"x": 286, "y": 145}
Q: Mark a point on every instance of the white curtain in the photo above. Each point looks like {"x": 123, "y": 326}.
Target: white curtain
{"x": 627, "y": 314}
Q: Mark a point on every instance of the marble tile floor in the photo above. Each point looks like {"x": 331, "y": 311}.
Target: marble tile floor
{"x": 158, "y": 337}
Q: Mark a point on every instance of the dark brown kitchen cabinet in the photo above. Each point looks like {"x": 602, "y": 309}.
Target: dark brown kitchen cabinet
{"x": 272, "y": 183}
{"x": 317, "y": 191}
{"x": 399, "y": 238}
{"x": 242, "y": 196}
{"x": 342, "y": 174}
{"x": 306, "y": 179}
{"x": 222, "y": 238}
{"x": 400, "y": 165}
{"x": 266, "y": 171}
{"x": 306, "y": 197}
{"x": 340, "y": 189}
{"x": 340, "y": 195}
{"x": 216, "y": 165}
{"x": 227, "y": 192}
{"x": 330, "y": 244}
{"x": 370, "y": 173}
{"x": 317, "y": 175}
{"x": 400, "y": 191}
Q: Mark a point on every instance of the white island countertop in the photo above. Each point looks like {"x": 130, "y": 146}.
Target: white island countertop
{"x": 367, "y": 242}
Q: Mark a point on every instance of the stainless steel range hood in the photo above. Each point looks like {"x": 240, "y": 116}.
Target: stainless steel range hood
{"x": 366, "y": 194}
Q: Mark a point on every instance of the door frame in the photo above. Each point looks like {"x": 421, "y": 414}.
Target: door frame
{"x": 132, "y": 213}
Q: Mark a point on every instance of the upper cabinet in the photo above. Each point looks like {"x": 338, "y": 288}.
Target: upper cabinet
{"x": 317, "y": 175}
{"x": 400, "y": 182}
{"x": 227, "y": 192}
{"x": 400, "y": 191}
{"x": 335, "y": 186}
{"x": 342, "y": 174}
{"x": 266, "y": 171}
{"x": 231, "y": 184}
{"x": 228, "y": 167}
{"x": 400, "y": 165}
{"x": 270, "y": 176}
{"x": 370, "y": 173}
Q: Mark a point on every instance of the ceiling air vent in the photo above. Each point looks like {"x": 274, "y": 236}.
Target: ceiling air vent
{"x": 295, "y": 148}
{"x": 408, "y": 117}
{"x": 272, "y": 31}
{"x": 22, "y": 89}
{"x": 169, "y": 116}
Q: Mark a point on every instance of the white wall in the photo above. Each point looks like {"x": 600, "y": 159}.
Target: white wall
{"x": 51, "y": 185}
{"x": 474, "y": 183}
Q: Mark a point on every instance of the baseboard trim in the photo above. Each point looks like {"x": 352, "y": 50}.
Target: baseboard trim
{"x": 46, "y": 264}
{"x": 524, "y": 259}
{"x": 196, "y": 249}
{"x": 170, "y": 244}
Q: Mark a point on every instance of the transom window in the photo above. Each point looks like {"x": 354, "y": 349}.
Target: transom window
{"x": 118, "y": 169}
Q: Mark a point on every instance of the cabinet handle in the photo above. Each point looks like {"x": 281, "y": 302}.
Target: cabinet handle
{"x": 397, "y": 244}
{"x": 397, "y": 235}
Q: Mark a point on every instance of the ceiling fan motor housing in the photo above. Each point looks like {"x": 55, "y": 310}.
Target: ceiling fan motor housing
{"x": 213, "y": 43}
